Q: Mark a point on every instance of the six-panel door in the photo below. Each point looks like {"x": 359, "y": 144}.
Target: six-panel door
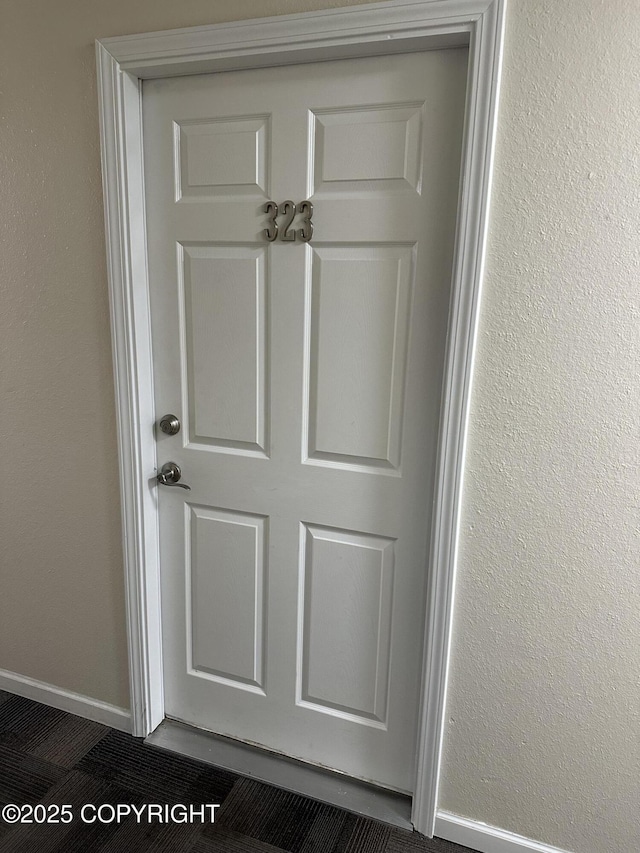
{"x": 307, "y": 377}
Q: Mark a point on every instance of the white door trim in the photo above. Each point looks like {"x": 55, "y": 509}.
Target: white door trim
{"x": 390, "y": 27}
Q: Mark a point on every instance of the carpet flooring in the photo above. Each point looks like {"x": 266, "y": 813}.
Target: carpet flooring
{"x": 51, "y": 758}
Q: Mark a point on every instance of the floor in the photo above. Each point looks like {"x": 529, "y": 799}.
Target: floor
{"x": 54, "y": 759}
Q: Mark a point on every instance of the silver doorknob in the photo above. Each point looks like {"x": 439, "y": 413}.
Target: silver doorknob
{"x": 169, "y": 475}
{"x": 170, "y": 424}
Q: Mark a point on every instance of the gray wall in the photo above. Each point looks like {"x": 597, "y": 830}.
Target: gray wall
{"x": 542, "y": 733}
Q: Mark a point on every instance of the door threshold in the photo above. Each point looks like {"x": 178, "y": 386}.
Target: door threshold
{"x": 296, "y": 776}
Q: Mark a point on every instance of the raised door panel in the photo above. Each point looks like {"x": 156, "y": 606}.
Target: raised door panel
{"x": 226, "y": 569}
{"x": 221, "y": 156}
{"x": 367, "y": 149}
{"x": 345, "y": 629}
{"x": 225, "y": 346}
{"x": 358, "y": 322}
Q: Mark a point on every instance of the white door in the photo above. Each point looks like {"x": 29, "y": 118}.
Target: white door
{"x": 307, "y": 380}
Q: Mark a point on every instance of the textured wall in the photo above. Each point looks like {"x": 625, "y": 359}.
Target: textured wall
{"x": 543, "y": 713}
{"x": 543, "y": 732}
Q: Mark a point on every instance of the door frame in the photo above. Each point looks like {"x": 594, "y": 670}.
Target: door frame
{"x": 123, "y": 63}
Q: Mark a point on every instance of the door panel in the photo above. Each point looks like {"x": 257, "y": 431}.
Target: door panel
{"x": 307, "y": 377}
{"x": 220, "y": 157}
{"x": 358, "y": 313}
{"x": 226, "y": 624}
{"x": 224, "y": 334}
{"x": 345, "y": 663}
{"x": 368, "y": 150}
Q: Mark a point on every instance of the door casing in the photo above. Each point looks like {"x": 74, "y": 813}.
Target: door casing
{"x": 381, "y": 28}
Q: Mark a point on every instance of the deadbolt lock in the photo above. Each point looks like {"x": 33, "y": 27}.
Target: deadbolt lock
{"x": 170, "y": 425}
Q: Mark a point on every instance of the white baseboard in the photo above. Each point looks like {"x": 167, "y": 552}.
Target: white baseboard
{"x": 66, "y": 700}
{"x": 485, "y": 838}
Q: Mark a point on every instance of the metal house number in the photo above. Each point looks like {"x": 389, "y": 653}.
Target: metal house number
{"x": 284, "y": 231}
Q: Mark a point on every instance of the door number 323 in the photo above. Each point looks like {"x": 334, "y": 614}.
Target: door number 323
{"x": 284, "y": 231}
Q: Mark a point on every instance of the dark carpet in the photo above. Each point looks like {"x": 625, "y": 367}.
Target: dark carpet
{"x": 54, "y": 759}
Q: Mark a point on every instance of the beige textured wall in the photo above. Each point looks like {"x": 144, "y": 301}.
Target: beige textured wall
{"x": 542, "y": 736}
